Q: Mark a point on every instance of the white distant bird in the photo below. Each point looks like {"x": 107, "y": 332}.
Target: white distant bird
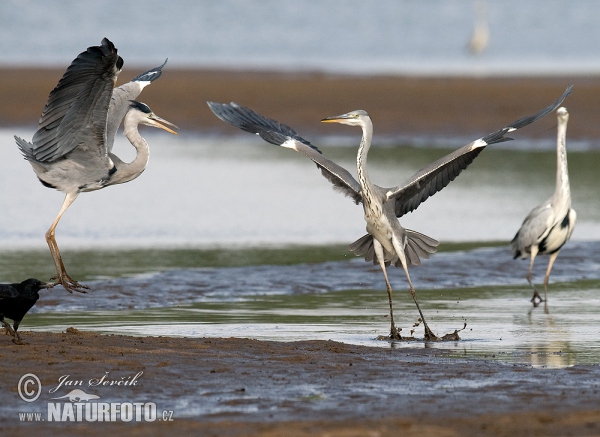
{"x": 481, "y": 32}
{"x": 550, "y": 225}
{"x": 386, "y": 241}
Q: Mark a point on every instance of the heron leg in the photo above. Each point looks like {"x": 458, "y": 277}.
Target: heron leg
{"x": 547, "y": 277}
{"x": 429, "y": 335}
{"x": 536, "y": 299}
{"x": 62, "y": 277}
{"x": 394, "y": 332}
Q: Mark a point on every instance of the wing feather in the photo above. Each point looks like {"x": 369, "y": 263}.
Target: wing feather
{"x": 280, "y": 134}
{"x": 77, "y": 107}
{"x": 434, "y": 177}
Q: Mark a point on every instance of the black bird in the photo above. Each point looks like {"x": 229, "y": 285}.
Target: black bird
{"x": 16, "y": 300}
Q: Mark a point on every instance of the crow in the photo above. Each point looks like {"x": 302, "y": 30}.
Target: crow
{"x": 16, "y": 300}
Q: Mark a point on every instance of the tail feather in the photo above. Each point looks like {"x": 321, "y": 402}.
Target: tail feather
{"x": 26, "y": 148}
{"x": 417, "y": 246}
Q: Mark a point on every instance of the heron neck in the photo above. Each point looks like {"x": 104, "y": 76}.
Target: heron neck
{"x": 127, "y": 171}
{"x": 361, "y": 157}
{"x": 562, "y": 171}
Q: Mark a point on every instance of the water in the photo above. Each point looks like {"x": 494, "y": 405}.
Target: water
{"x": 203, "y": 191}
{"x": 344, "y": 301}
{"x": 387, "y": 36}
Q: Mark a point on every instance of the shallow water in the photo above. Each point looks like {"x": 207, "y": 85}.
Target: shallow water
{"x": 202, "y": 191}
{"x": 345, "y": 301}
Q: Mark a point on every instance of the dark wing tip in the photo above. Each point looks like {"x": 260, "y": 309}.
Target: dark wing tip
{"x": 251, "y": 121}
{"x": 150, "y": 75}
{"x": 528, "y": 120}
{"x": 498, "y": 136}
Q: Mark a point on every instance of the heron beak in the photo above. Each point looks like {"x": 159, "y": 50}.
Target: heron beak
{"x": 335, "y": 119}
{"x": 156, "y": 121}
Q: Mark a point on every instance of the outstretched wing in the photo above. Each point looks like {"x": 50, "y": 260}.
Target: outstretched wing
{"x": 281, "y": 135}
{"x": 434, "y": 177}
{"x": 77, "y": 108}
{"x": 120, "y": 100}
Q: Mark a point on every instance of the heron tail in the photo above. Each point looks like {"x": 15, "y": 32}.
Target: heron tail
{"x": 417, "y": 246}
{"x": 26, "y": 148}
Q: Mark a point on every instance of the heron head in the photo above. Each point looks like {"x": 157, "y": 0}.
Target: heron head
{"x": 149, "y": 118}
{"x": 354, "y": 118}
{"x": 562, "y": 113}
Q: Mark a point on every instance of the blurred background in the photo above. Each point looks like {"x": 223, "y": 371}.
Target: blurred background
{"x": 433, "y": 76}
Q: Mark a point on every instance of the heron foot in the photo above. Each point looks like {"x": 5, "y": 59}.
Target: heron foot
{"x": 395, "y": 333}
{"x": 69, "y": 284}
{"x": 536, "y": 299}
{"x": 429, "y": 335}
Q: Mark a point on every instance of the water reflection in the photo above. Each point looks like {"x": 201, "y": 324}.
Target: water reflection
{"x": 500, "y": 324}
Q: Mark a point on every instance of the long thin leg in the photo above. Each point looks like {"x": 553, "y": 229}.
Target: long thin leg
{"x": 536, "y": 295}
{"x": 547, "y": 277}
{"x": 429, "y": 335}
{"x": 62, "y": 277}
{"x": 394, "y": 333}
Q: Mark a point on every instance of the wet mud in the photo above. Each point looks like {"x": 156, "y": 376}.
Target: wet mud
{"x": 233, "y": 386}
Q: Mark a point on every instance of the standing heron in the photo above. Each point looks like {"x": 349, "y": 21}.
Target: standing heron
{"x": 387, "y": 241}
{"x": 550, "y": 225}
{"x": 71, "y": 150}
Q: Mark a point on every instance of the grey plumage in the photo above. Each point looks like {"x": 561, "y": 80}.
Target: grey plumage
{"x": 548, "y": 226}
{"x": 122, "y": 95}
{"x": 71, "y": 150}
{"x": 387, "y": 242}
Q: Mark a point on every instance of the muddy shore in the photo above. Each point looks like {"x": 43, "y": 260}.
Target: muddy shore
{"x": 399, "y": 106}
{"x": 238, "y": 387}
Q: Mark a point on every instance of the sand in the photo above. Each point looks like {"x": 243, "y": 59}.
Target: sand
{"x": 431, "y": 107}
{"x": 248, "y": 387}
{"x": 271, "y": 379}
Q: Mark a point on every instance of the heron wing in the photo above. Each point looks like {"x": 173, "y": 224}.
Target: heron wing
{"x": 77, "y": 108}
{"x": 434, "y": 177}
{"x": 282, "y": 135}
{"x": 534, "y": 228}
{"x": 120, "y": 99}
{"x": 8, "y": 291}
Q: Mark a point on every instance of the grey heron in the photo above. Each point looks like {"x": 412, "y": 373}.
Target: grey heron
{"x": 71, "y": 150}
{"x": 16, "y": 300}
{"x": 386, "y": 241}
{"x": 550, "y": 225}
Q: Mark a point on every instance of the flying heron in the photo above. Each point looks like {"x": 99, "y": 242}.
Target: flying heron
{"x": 71, "y": 150}
{"x": 550, "y": 225}
{"x": 387, "y": 241}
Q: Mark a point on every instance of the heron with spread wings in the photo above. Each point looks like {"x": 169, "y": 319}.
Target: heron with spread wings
{"x": 72, "y": 149}
{"x": 386, "y": 241}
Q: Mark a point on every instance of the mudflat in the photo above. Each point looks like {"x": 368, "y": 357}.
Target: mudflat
{"x": 411, "y": 106}
{"x": 244, "y": 387}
